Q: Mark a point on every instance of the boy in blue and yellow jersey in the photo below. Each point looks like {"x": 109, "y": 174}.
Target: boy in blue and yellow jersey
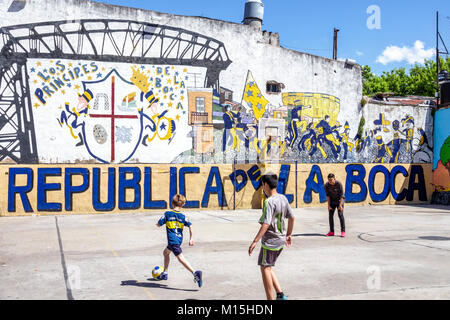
{"x": 175, "y": 221}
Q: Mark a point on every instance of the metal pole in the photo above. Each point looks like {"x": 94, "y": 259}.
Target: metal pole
{"x": 335, "y": 43}
{"x": 437, "y": 59}
{"x": 234, "y": 187}
{"x": 296, "y": 184}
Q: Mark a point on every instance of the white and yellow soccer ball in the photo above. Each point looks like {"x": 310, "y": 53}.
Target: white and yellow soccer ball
{"x": 156, "y": 272}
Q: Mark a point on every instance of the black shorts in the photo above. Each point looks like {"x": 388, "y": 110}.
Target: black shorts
{"x": 175, "y": 248}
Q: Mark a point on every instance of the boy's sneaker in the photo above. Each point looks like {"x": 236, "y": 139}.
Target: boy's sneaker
{"x": 330, "y": 234}
{"x": 163, "y": 276}
{"x": 284, "y": 297}
{"x": 198, "y": 278}
{"x": 343, "y": 234}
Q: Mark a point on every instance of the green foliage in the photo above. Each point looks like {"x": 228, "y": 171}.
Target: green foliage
{"x": 445, "y": 152}
{"x": 363, "y": 102}
{"x": 362, "y": 122}
{"x": 420, "y": 81}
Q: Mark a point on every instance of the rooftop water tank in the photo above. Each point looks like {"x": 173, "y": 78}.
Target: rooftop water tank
{"x": 254, "y": 13}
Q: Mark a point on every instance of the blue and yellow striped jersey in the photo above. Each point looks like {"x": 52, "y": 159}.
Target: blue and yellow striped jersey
{"x": 175, "y": 221}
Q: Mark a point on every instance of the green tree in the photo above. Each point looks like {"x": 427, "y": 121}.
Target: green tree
{"x": 419, "y": 81}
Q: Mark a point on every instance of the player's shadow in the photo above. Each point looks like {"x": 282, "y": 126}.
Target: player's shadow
{"x": 152, "y": 284}
{"x": 308, "y": 235}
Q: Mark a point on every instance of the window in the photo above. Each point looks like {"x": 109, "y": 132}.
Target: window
{"x": 200, "y": 104}
{"x": 274, "y": 87}
{"x": 225, "y": 95}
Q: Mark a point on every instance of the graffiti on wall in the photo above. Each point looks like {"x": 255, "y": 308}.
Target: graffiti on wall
{"x": 134, "y": 92}
{"x": 115, "y": 87}
{"x": 125, "y": 188}
{"x": 441, "y": 162}
{"x": 111, "y": 113}
{"x": 308, "y": 128}
{"x": 395, "y": 141}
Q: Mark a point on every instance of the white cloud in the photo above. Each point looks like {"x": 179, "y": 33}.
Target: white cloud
{"x": 359, "y": 53}
{"x": 412, "y": 55}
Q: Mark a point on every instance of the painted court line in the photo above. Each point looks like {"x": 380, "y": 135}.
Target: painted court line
{"x": 115, "y": 254}
{"x": 63, "y": 263}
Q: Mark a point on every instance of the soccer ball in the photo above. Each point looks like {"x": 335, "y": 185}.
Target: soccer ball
{"x": 156, "y": 272}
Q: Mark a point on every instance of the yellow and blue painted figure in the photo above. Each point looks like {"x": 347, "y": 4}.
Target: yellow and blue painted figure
{"x": 317, "y": 143}
{"x": 382, "y": 150}
{"x": 308, "y": 140}
{"x": 230, "y": 120}
{"x": 408, "y": 123}
{"x": 395, "y": 145}
{"x": 252, "y": 137}
{"x": 396, "y": 142}
{"x": 366, "y": 140}
{"x": 423, "y": 140}
{"x": 327, "y": 137}
{"x": 249, "y": 135}
{"x": 157, "y": 124}
{"x": 347, "y": 145}
{"x": 239, "y": 131}
{"x": 236, "y": 131}
{"x": 83, "y": 107}
{"x": 294, "y": 124}
{"x": 382, "y": 123}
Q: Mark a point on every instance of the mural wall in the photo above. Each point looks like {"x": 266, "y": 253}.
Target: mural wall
{"x": 174, "y": 110}
{"x": 441, "y": 163}
{"x": 93, "y": 93}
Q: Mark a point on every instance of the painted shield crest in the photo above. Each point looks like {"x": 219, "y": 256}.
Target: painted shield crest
{"x": 112, "y": 126}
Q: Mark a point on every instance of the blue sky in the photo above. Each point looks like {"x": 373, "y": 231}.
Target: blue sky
{"x": 407, "y": 32}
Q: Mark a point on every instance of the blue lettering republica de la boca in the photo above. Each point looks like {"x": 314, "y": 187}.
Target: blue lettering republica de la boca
{"x": 138, "y": 182}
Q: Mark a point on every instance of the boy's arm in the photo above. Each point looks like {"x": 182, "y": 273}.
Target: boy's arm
{"x": 341, "y": 202}
{"x": 191, "y": 236}
{"x": 161, "y": 221}
{"x": 289, "y": 231}
{"x": 328, "y": 197}
{"x": 258, "y": 237}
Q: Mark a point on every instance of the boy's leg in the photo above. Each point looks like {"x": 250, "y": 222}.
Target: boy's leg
{"x": 275, "y": 282}
{"x": 184, "y": 262}
{"x": 331, "y": 218}
{"x": 266, "y": 273}
{"x": 197, "y": 274}
{"x": 341, "y": 219}
{"x": 166, "y": 254}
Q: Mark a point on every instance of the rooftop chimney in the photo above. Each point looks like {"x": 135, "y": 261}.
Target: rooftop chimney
{"x": 254, "y": 14}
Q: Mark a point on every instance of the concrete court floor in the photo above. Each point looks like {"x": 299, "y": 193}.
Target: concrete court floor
{"x": 390, "y": 252}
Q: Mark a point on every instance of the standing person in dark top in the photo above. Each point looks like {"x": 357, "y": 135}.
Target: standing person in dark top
{"x": 335, "y": 197}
